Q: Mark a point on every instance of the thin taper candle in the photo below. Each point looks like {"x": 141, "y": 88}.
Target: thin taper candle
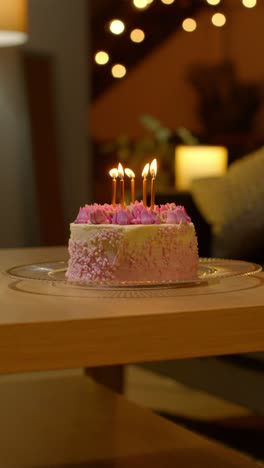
{"x": 122, "y": 193}
{"x": 145, "y": 191}
{"x": 114, "y": 192}
{"x": 132, "y": 190}
{"x": 144, "y": 175}
{"x": 152, "y": 193}
{"x": 122, "y": 185}
{"x": 113, "y": 173}
{"x": 131, "y": 175}
{"x": 153, "y": 173}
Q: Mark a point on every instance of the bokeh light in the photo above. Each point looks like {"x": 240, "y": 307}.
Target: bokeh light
{"x": 218, "y": 19}
{"x": 249, "y": 3}
{"x": 137, "y": 35}
{"x": 117, "y": 26}
{"x": 101, "y": 57}
{"x": 189, "y": 25}
{"x": 118, "y": 70}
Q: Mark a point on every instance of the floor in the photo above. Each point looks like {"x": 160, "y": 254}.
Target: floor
{"x": 215, "y": 418}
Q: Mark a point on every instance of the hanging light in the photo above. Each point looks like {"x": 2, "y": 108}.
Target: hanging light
{"x": 118, "y": 70}
{"x": 189, "y": 25}
{"x": 101, "y": 57}
{"x": 137, "y": 35}
{"x": 213, "y": 2}
{"x": 141, "y": 3}
{"x": 249, "y": 3}
{"x": 218, "y": 20}
{"x": 117, "y": 26}
{"x": 13, "y": 22}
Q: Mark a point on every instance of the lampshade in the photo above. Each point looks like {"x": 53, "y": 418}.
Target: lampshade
{"x": 192, "y": 162}
{"x": 13, "y": 22}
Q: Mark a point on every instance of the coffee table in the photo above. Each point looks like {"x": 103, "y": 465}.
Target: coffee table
{"x": 45, "y": 326}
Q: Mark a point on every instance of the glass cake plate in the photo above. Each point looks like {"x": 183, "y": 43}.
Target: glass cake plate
{"x": 209, "y": 269}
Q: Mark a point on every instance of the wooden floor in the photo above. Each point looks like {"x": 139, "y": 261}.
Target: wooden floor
{"x": 158, "y": 393}
{"x": 218, "y": 419}
{"x": 165, "y": 395}
{"x": 65, "y": 420}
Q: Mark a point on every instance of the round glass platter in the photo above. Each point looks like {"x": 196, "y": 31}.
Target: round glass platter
{"x": 209, "y": 269}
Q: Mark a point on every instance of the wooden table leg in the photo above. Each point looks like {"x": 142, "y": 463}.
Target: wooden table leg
{"x": 111, "y": 377}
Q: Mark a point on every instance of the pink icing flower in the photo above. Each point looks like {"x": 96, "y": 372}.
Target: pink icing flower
{"x": 122, "y": 216}
{"x": 83, "y": 216}
{"x": 164, "y": 208}
{"x": 148, "y": 217}
{"x": 177, "y": 216}
{"x": 136, "y": 209}
{"x": 135, "y": 213}
{"x": 145, "y": 216}
{"x": 99, "y": 215}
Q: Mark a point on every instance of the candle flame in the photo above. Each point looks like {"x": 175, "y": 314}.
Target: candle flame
{"x": 129, "y": 173}
{"x": 153, "y": 168}
{"x": 145, "y": 170}
{"x": 113, "y": 173}
{"x": 120, "y": 171}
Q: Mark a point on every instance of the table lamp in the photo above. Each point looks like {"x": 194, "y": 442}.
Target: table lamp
{"x": 198, "y": 161}
{"x": 13, "y": 22}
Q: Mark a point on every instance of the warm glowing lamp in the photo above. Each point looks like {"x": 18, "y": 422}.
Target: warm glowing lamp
{"x": 195, "y": 162}
{"x": 13, "y": 22}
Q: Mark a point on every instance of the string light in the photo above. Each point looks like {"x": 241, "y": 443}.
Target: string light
{"x": 141, "y": 3}
{"x": 116, "y": 26}
{"x": 249, "y": 3}
{"x": 189, "y": 25}
{"x": 218, "y": 19}
{"x": 101, "y": 57}
{"x": 118, "y": 71}
{"x": 137, "y": 35}
{"x": 167, "y": 2}
{"x": 213, "y": 2}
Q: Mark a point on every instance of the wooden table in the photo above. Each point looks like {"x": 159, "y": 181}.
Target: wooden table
{"x": 43, "y": 326}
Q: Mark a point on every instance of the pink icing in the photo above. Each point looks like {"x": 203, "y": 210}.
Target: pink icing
{"x": 90, "y": 262}
{"x": 135, "y": 213}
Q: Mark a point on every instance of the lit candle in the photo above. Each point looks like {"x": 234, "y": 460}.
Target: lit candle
{"x": 113, "y": 173}
{"x": 144, "y": 175}
{"x": 131, "y": 175}
{"x": 122, "y": 185}
{"x": 153, "y": 173}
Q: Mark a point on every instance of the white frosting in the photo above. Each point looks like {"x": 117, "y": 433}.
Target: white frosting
{"x": 103, "y": 252}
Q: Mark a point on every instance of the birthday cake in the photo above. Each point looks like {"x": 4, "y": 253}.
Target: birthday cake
{"x": 134, "y": 243}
